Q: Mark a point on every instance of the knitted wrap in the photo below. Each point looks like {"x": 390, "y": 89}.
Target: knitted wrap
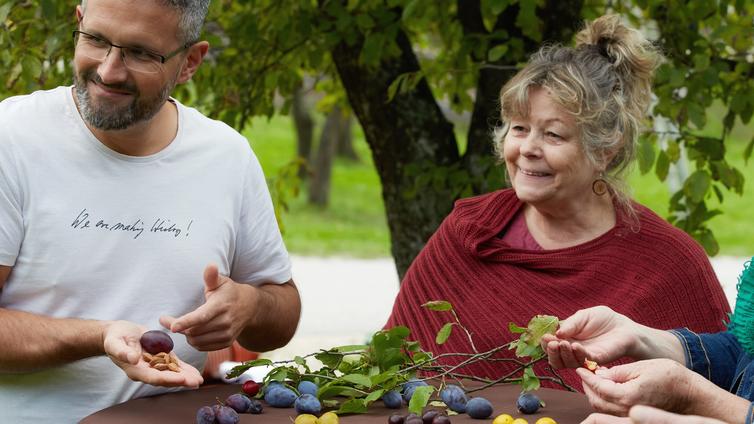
{"x": 657, "y": 276}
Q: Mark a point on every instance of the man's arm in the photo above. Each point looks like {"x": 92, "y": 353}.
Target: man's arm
{"x": 31, "y": 342}
{"x": 275, "y": 318}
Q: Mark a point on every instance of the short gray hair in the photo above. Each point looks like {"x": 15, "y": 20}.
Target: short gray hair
{"x": 191, "y": 15}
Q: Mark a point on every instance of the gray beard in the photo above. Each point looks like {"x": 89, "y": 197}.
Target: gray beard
{"x": 106, "y": 117}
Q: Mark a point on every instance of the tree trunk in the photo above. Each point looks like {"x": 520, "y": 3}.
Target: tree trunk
{"x": 304, "y": 124}
{"x": 344, "y": 147}
{"x": 411, "y": 129}
{"x": 559, "y": 19}
{"x": 319, "y": 185}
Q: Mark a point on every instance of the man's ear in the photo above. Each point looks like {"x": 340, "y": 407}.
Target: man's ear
{"x": 193, "y": 59}
{"x": 79, "y": 14}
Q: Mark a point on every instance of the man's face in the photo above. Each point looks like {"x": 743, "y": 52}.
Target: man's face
{"x": 110, "y": 95}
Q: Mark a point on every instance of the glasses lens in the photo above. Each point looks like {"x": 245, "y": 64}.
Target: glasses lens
{"x": 141, "y": 60}
{"x": 92, "y": 47}
{"x": 135, "y": 59}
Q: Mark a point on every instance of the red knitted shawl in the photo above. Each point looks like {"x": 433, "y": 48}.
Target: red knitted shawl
{"x": 656, "y": 275}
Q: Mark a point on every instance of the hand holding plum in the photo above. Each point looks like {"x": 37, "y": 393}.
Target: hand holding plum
{"x": 122, "y": 344}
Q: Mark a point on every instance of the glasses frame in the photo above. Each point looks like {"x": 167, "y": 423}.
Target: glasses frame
{"x": 163, "y": 58}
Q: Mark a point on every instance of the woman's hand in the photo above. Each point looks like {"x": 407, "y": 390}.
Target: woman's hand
{"x": 641, "y": 414}
{"x": 599, "y": 334}
{"x": 661, "y": 383}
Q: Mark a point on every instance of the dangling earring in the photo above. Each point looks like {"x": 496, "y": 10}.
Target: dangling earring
{"x": 599, "y": 186}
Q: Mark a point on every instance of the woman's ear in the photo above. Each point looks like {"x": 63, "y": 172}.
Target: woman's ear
{"x": 610, "y": 153}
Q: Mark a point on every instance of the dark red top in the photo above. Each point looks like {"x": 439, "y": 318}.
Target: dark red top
{"x": 656, "y": 275}
{"x": 517, "y": 233}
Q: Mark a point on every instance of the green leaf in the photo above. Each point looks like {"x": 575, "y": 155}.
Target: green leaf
{"x": 351, "y": 348}
{"x": 438, "y": 305}
{"x": 420, "y": 398}
{"x": 399, "y": 331}
{"x": 528, "y": 344}
{"x": 696, "y": 186}
{"x": 4, "y": 11}
{"x": 662, "y": 166}
{"x": 299, "y": 360}
{"x": 330, "y": 360}
{"x": 375, "y": 395}
{"x": 513, "y": 328}
{"x": 444, "y": 333}
{"x": 48, "y": 8}
{"x": 364, "y": 21}
{"x": 527, "y": 19}
{"x": 748, "y": 150}
{"x": 673, "y": 150}
{"x": 278, "y": 374}
{"x": 709, "y": 242}
{"x": 497, "y": 52}
{"x": 410, "y": 10}
{"x": 529, "y": 380}
{"x": 646, "y": 154}
{"x": 353, "y": 406}
{"x": 358, "y": 379}
{"x": 383, "y": 377}
{"x": 240, "y": 369}
{"x": 543, "y": 324}
{"x": 332, "y": 390}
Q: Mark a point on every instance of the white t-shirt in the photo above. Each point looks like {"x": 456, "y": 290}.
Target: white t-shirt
{"x": 91, "y": 233}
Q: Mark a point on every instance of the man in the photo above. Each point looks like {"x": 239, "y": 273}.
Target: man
{"x": 121, "y": 211}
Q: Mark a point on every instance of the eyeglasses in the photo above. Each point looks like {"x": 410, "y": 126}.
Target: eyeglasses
{"x": 135, "y": 59}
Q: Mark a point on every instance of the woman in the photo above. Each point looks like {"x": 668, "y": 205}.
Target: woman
{"x": 566, "y": 235}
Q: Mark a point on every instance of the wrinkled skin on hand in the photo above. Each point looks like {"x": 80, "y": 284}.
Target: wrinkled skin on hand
{"x": 641, "y": 414}
{"x": 662, "y": 383}
{"x": 121, "y": 343}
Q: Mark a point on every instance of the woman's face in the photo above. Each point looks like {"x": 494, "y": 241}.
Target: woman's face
{"x": 544, "y": 157}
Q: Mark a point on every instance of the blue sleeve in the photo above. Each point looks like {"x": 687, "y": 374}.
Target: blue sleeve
{"x": 715, "y": 356}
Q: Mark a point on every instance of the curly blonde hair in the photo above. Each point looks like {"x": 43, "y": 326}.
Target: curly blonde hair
{"x": 604, "y": 82}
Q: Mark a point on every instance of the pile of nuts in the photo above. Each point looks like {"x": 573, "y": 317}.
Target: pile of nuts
{"x": 162, "y": 361}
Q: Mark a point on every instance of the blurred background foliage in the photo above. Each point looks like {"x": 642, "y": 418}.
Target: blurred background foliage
{"x": 421, "y": 78}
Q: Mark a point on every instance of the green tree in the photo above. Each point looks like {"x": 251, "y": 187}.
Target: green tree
{"x": 397, "y": 61}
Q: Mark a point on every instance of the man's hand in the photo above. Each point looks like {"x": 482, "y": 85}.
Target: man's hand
{"x": 599, "y": 334}
{"x": 121, "y": 342}
{"x": 662, "y": 383}
{"x": 218, "y": 322}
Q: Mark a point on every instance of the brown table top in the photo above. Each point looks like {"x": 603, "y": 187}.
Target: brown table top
{"x": 180, "y": 408}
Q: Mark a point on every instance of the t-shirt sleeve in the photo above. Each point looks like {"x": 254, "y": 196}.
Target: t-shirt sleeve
{"x": 260, "y": 255}
{"x": 714, "y": 356}
{"x": 11, "y": 217}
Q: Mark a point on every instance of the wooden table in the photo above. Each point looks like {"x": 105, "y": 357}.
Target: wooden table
{"x": 181, "y": 407}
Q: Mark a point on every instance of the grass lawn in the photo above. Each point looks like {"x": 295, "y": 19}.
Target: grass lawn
{"x": 354, "y": 224}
